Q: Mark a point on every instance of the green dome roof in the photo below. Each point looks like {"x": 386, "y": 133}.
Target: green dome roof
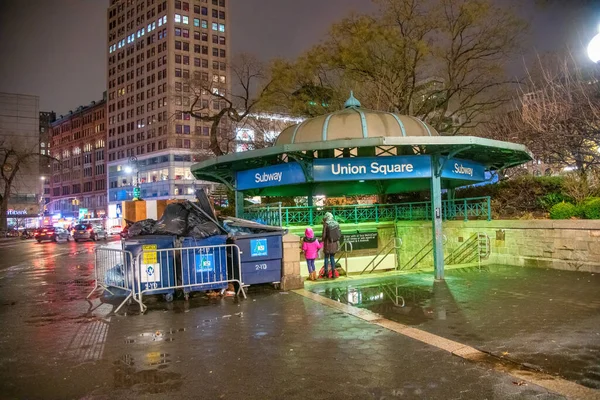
{"x": 354, "y": 122}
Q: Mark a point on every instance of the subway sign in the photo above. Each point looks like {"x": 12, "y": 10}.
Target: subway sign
{"x": 359, "y": 169}
{"x": 275, "y": 175}
{"x": 371, "y": 168}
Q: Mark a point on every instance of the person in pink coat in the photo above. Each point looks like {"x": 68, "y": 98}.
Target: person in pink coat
{"x": 310, "y": 247}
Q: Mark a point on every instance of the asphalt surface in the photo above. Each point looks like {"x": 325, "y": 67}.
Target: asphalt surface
{"x": 275, "y": 345}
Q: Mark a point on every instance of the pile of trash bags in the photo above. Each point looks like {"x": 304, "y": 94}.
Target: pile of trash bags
{"x": 197, "y": 220}
{"x": 179, "y": 219}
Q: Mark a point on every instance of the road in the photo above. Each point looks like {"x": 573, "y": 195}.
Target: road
{"x": 275, "y": 345}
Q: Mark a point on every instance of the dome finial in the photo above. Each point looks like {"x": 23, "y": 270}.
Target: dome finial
{"x": 352, "y": 101}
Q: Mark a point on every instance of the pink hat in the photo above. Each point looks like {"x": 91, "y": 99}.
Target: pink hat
{"x": 309, "y": 233}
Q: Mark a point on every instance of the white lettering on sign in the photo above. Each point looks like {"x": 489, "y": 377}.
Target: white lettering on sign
{"x": 10, "y": 211}
{"x": 338, "y": 169}
{"x": 264, "y": 177}
{"x": 388, "y": 169}
{"x": 375, "y": 168}
{"x": 459, "y": 169}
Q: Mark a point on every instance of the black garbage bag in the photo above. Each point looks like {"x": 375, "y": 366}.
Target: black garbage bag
{"x": 201, "y": 228}
{"x": 144, "y": 227}
{"x": 174, "y": 221}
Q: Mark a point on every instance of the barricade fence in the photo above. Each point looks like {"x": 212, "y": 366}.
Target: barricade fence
{"x": 162, "y": 271}
{"x": 113, "y": 268}
{"x": 201, "y": 268}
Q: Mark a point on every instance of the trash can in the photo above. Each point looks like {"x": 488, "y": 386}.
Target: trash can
{"x": 156, "y": 274}
{"x": 202, "y": 268}
{"x": 260, "y": 259}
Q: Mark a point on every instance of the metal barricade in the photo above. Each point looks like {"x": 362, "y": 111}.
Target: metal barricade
{"x": 113, "y": 268}
{"x": 189, "y": 268}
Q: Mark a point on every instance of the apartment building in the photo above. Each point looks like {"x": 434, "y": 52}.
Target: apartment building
{"x": 155, "y": 49}
{"x": 78, "y": 180}
{"x": 46, "y": 119}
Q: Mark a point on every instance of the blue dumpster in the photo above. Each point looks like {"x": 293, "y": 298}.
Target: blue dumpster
{"x": 261, "y": 257}
{"x": 156, "y": 274}
{"x": 201, "y": 267}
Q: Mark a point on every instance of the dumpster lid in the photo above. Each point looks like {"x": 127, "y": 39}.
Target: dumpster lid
{"x": 245, "y": 227}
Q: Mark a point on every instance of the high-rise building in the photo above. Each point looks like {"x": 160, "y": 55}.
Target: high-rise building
{"x": 19, "y": 133}
{"x": 78, "y": 179}
{"x": 155, "y": 49}
{"x": 46, "y": 119}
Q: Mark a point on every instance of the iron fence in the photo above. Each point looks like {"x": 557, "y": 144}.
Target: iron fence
{"x": 465, "y": 209}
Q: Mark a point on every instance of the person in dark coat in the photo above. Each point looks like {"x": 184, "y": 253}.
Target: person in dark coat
{"x": 330, "y": 238}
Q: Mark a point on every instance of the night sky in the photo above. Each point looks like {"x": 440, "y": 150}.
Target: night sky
{"x": 56, "y": 48}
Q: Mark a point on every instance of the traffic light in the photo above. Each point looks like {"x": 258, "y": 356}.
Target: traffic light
{"x": 75, "y": 202}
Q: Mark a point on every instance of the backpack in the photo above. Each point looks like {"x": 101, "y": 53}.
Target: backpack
{"x": 334, "y": 235}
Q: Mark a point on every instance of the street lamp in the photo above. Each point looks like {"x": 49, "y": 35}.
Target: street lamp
{"x": 133, "y": 162}
{"x": 593, "y": 49}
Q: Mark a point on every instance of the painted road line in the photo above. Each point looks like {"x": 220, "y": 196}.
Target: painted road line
{"x": 552, "y": 383}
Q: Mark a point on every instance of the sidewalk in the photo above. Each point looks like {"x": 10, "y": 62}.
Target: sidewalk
{"x": 271, "y": 346}
{"x": 274, "y": 345}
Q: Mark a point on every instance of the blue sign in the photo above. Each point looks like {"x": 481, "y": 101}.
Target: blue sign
{"x": 463, "y": 169}
{"x": 370, "y": 168}
{"x": 258, "y": 247}
{"x": 205, "y": 262}
{"x": 275, "y": 175}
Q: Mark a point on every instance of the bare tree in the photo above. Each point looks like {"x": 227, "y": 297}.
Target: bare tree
{"x": 13, "y": 160}
{"x": 211, "y": 100}
{"x": 560, "y": 116}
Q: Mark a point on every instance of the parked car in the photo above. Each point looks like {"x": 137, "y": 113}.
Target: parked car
{"x": 115, "y": 230}
{"x": 52, "y": 234}
{"x": 89, "y": 232}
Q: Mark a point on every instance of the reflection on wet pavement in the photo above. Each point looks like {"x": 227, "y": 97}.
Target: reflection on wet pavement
{"x": 56, "y": 344}
{"x": 544, "y": 319}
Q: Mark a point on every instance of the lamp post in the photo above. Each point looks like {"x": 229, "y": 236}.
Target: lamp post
{"x": 593, "y": 48}
{"x": 133, "y": 163}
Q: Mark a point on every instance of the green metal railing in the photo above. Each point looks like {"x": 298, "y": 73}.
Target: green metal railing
{"x": 470, "y": 208}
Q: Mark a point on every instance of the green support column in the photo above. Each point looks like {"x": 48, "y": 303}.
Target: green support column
{"x": 239, "y": 204}
{"x": 436, "y": 218}
{"x": 310, "y": 207}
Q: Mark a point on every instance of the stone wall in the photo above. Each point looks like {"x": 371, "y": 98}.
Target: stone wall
{"x": 558, "y": 244}
{"x": 565, "y": 244}
{"x": 290, "y": 268}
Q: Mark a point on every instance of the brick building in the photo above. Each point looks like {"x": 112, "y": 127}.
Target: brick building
{"x": 78, "y": 180}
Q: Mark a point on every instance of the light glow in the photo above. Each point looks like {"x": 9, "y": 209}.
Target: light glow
{"x": 593, "y": 48}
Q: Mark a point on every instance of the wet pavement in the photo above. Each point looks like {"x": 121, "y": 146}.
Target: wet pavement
{"x": 546, "y": 320}
{"x": 56, "y": 345}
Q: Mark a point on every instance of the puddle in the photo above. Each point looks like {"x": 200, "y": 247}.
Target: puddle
{"x": 150, "y": 381}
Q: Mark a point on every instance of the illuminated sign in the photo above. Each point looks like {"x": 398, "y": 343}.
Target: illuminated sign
{"x": 371, "y": 168}
{"x": 275, "y": 175}
{"x": 359, "y": 169}
{"x": 16, "y": 212}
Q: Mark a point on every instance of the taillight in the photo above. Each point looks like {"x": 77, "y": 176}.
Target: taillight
{"x": 44, "y": 230}
{"x": 89, "y": 229}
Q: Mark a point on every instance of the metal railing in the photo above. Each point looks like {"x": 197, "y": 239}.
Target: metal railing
{"x": 162, "y": 271}
{"x": 465, "y": 209}
{"x": 393, "y": 245}
{"x": 114, "y": 269}
{"x": 344, "y": 254}
{"x": 475, "y": 248}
